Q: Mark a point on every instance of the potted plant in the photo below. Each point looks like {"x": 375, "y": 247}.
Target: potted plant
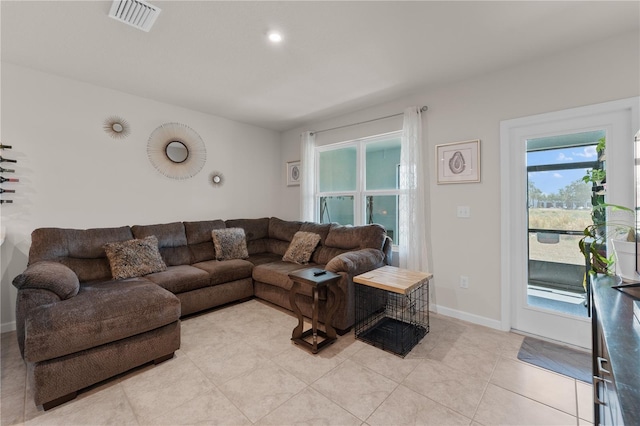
{"x": 598, "y": 179}
{"x": 620, "y": 231}
{"x": 625, "y": 255}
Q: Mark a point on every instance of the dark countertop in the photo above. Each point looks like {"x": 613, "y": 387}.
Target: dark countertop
{"x": 622, "y": 336}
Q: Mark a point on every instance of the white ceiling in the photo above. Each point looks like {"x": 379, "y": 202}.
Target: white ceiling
{"x": 336, "y": 57}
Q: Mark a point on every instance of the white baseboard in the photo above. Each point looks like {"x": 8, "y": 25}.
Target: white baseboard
{"x": 8, "y": 326}
{"x": 465, "y": 316}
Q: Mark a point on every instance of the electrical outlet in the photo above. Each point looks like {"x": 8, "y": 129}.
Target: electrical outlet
{"x": 464, "y": 211}
{"x": 464, "y": 281}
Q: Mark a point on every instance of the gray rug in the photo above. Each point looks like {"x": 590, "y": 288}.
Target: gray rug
{"x": 561, "y": 359}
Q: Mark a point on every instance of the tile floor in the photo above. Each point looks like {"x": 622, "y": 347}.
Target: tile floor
{"x": 237, "y": 366}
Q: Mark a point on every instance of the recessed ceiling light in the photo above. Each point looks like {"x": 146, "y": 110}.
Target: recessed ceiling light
{"x": 275, "y": 37}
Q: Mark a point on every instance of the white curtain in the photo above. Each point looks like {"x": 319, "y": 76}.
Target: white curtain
{"x": 414, "y": 220}
{"x": 308, "y": 176}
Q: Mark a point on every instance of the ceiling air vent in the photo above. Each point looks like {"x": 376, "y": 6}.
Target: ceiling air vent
{"x": 136, "y": 13}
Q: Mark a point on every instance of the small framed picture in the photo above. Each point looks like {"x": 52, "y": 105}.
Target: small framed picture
{"x": 458, "y": 162}
{"x": 293, "y": 173}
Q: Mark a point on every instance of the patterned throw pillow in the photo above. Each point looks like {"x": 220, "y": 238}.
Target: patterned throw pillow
{"x": 301, "y": 248}
{"x": 230, "y": 243}
{"x": 134, "y": 258}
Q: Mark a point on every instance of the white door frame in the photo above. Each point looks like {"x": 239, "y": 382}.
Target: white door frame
{"x": 621, "y": 120}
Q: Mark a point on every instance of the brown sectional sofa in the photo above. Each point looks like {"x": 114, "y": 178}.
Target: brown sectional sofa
{"x": 76, "y": 326}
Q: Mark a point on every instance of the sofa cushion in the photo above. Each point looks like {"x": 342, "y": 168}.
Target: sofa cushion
{"x": 301, "y": 247}
{"x": 230, "y": 243}
{"x": 180, "y": 278}
{"x": 134, "y": 258}
{"x": 321, "y": 229}
{"x": 356, "y": 262}
{"x": 80, "y": 249}
{"x": 278, "y": 247}
{"x": 356, "y": 237}
{"x": 172, "y": 241}
{"x": 277, "y": 274}
{"x": 283, "y": 230}
{"x": 224, "y": 271}
{"x": 258, "y": 246}
{"x": 324, "y": 254}
{"x": 52, "y": 276}
{"x": 261, "y": 258}
{"x": 101, "y": 313}
{"x": 199, "y": 239}
{"x": 254, "y": 229}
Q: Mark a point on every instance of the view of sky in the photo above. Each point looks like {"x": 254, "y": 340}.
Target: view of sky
{"x": 551, "y": 181}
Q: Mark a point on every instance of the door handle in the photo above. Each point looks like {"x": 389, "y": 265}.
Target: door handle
{"x": 596, "y": 381}
{"x": 600, "y": 367}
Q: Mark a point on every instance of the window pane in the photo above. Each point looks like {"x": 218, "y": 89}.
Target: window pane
{"x": 565, "y": 148}
{"x": 562, "y": 156}
{"x": 556, "y": 248}
{"x": 337, "y": 209}
{"x": 564, "y": 204}
{"x": 383, "y": 209}
{"x": 383, "y": 158}
{"x": 338, "y": 170}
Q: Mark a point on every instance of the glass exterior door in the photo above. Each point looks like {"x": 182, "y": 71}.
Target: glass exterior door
{"x": 559, "y": 208}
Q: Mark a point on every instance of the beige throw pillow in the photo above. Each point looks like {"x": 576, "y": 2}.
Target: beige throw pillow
{"x": 301, "y": 248}
{"x": 230, "y": 243}
{"x": 134, "y": 258}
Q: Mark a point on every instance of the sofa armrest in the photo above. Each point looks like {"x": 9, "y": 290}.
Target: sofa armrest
{"x": 356, "y": 262}
{"x": 387, "y": 248}
{"x": 52, "y": 276}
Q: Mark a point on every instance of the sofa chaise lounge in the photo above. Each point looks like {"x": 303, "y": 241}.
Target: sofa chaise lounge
{"x": 77, "y": 325}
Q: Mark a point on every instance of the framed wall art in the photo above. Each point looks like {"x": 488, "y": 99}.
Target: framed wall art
{"x": 293, "y": 173}
{"x": 458, "y": 162}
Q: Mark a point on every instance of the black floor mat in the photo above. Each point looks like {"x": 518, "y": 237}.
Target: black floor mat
{"x": 561, "y": 359}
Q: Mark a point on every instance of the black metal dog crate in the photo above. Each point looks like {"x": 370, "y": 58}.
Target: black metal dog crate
{"x": 394, "y": 322}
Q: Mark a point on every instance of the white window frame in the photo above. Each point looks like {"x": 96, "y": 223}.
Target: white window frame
{"x": 360, "y": 193}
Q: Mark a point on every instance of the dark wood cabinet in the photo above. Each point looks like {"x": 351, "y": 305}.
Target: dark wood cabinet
{"x": 616, "y": 353}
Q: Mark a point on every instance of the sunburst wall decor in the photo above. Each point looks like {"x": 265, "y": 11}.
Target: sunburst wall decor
{"x": 216, "y": 179}
{"x": 176, "y": 150}
{"x": 116, "y": 127}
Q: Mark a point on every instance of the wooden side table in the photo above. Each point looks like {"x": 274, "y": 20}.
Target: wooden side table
{"x": 392, "y": 308}
{"x": 328, "y": 279}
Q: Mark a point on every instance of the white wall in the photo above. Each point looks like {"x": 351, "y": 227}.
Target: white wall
{"x": 72, "y": 174}
{"x": 473, "y": 109}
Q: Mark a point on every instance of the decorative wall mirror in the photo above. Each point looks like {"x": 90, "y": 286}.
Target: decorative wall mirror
{"x": 176, "y": 150}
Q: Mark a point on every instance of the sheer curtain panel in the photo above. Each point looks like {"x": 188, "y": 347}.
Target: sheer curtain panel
{"x": 308, "y": 176}
{"x": 414, "y": 222}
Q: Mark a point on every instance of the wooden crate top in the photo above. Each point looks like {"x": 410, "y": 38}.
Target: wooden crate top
{"x": 393, "y": 279}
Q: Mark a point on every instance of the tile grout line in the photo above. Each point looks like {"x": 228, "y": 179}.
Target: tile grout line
{"x": 217, "y": 387}
{"x": 129, "y": 403}
{"x": 484, "y": 391}
{"x": 535, "y": 400}
{"x": 575, "y": 389}
{"x": 398, "y": 384}
{"x": 576, "y": 416}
